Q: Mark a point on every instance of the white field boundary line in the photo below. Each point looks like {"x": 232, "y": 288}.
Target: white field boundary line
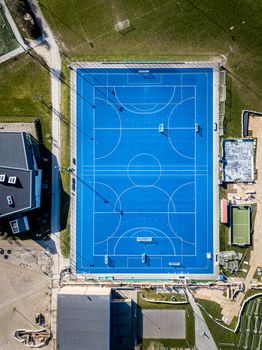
{"x": 93, "y": 124}
{"x": 148, "y": 212}
{"x": 156, "y": 128}
{"x": 94, "y": 172}
{"x": 155, "y": 256}
{"x": 129, "y": 259}
{"x": 125, "y": 74}
{"x": 184, "y": 66}
{"x": 135, "y": 86}
{"x": 150, "y": 80}
{"x": 195, "y": 164}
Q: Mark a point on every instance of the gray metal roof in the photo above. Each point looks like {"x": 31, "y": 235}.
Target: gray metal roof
{"x": 16, "y": 159}
{"x": 83, "y": 322}
{"x": 12, "y": 150}
{"x": 20, "y": 192}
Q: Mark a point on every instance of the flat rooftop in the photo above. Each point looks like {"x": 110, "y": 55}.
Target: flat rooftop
{"x": 83, "y": 319}
{"x": 238, "y": 160}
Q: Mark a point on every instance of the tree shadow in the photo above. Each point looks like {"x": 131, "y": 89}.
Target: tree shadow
{"x": 37, "y": 19}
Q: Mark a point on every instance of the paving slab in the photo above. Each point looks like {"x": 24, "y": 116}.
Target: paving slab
{"x": 160, "y": 324}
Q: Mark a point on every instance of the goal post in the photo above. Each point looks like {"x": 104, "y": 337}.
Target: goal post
{"x": 122, "y": 26}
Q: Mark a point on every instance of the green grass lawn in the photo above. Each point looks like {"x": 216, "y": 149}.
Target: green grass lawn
{"x": 65, "y": 163}
{"x": 22, "y": 81}
{"x": 7, "y": 38}
{"x": 220, "y": 334}
{"x": 151, "y": 295}
{"x": 170, "y": 30}
{"x": 190, "y": 323}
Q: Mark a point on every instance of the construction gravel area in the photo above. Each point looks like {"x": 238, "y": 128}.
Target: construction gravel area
{"x": 232, "y": 308}
{"x": 25, "y": 289}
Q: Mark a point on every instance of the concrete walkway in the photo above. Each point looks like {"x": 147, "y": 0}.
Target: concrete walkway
{"x": 50, "y": 52}
{"x": 204, "y": 339}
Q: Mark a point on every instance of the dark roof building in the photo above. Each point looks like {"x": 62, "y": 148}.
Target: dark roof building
{"x": 20, "y": 178}
{"x": 83, "y": 318}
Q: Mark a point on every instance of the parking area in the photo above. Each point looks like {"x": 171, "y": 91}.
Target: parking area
{"x": 164, "y": 324}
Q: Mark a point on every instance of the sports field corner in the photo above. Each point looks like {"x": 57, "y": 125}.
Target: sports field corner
{"x": 144, "y": 139}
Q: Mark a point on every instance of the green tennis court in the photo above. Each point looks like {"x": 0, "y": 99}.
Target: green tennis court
{"x": 240, "y": 225}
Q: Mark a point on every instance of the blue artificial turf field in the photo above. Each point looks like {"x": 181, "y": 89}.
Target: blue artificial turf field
{"x": 144, "y": 197}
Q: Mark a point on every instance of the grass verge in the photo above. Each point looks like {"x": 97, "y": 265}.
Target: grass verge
{"x": 220, "y": 334}
{"x": 224, "y": 338}
{"x": 22, "y": 82}
{"x": 65, "y": 164}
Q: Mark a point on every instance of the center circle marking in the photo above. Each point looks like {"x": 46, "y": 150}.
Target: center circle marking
{"x": 144, "y": 170}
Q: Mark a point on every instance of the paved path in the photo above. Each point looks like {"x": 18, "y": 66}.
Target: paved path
{"x": 52, "y": 56}
{"x": 50, "y": 52}
{"x": 204, "y": 339}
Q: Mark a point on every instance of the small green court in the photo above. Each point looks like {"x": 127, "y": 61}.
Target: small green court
{"x": 8, "y": 41}
{"x": 240, "y": 225}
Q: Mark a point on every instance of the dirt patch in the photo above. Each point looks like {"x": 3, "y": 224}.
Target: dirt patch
{"x": 19, "y": 127}
{"x": 25, "y": 290}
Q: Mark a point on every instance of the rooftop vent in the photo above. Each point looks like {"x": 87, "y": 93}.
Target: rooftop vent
{"x": 2, "y": 178}
{"x": 12, "y": 180}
